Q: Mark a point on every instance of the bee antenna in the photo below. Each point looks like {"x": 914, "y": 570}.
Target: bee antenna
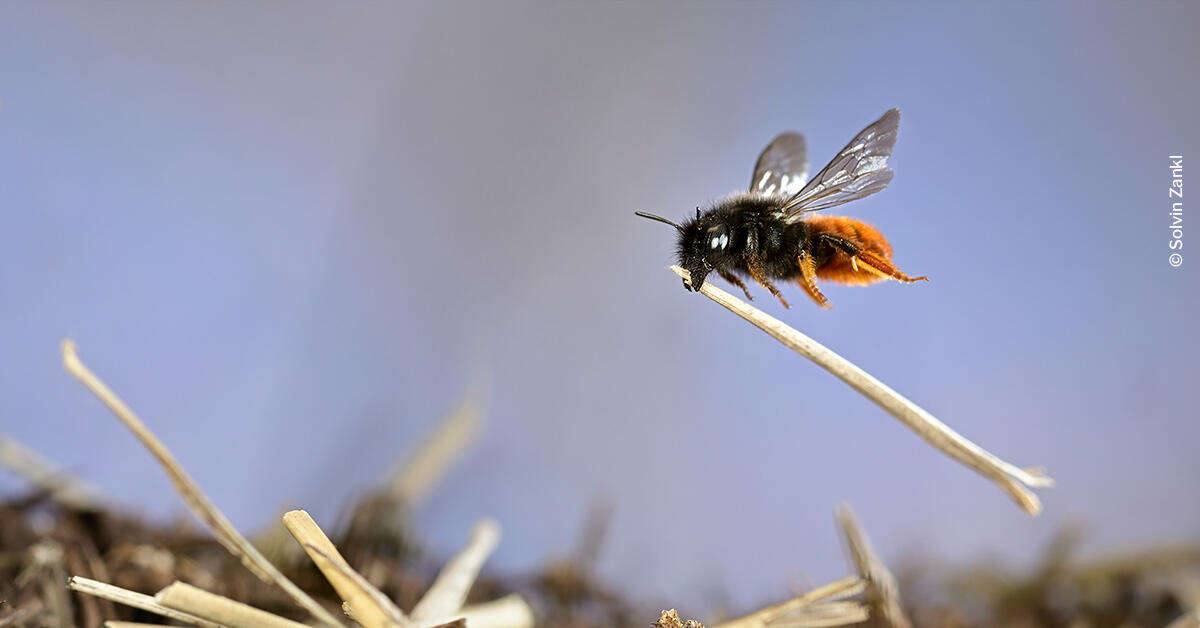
{"x": 659, "y": 219}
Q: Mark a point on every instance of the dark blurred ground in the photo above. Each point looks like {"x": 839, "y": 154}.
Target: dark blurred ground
{"x": 41, "y": 543}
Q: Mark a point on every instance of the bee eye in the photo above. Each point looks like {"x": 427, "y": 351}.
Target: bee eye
{"x": 720, "y": 238}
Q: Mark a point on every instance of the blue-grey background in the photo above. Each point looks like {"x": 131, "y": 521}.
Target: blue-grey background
{"x": 293, "y": 235}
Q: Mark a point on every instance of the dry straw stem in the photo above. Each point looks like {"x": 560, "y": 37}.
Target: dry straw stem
{"x": 1014, "y": 480}
{"x": 222, "y": 610}
{"x": 836, "y": 613}
{"x": 189, "y": 490}
{"x": 510, "y": 611}
{"x": 445, "y": 597}
{"x": 881, "y": 585}
{"x": 772, "y": 615}
{"x": 134, "y": 599}
{"x": 47, "y": 476}
{"x": 375, "y": 600}
{"x": 370, "y": 607}
{"x": 130, "y": 624}
{"x": 414, "y": 480}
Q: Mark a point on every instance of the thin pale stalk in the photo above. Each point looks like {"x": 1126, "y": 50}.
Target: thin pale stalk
{"x": 881, "y": 585}
{"x": 47, "y": 476}
{"x": 1011, "y": 478}
{"x": 449, "y": 590}
{"x": 190, "y": 491}
{"x": 410, "y": 483}
{"x": 134, "y": 599}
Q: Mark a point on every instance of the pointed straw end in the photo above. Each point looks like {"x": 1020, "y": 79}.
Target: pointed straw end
{"x": 487, "y": 530}
{"x": 678, "y": 270}
{"x": 69, "y": 356}
{"x": 298, "y": 515}
{"x": 1037, "y": 477}
{"x": 1024, "y": 497}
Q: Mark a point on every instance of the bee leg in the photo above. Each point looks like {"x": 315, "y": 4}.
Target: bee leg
{"x": 733, "y": 279}
{"x": 808, "y": 280}
{"x": 756, "y": 271}
{"x": 861, "y": 259}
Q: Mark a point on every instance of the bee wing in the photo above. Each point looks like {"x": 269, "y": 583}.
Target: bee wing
{"x": 782, "y": 167}
{"x": 859, "y": 170}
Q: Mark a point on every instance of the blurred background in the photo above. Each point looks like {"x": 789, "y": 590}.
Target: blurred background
{"x": 294, "y": 235}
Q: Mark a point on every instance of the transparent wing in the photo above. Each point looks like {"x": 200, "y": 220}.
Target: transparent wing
{"x": 782, "y": 167}
{"x": 859, "y": 170}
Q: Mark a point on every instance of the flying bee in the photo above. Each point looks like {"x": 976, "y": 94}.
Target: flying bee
{"x": 769, "y": 232}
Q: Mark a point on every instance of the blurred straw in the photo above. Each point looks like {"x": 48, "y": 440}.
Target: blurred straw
{"x": 370, "y": 607}
{"x": 594, "y": 533}
{"x": 377, "y": 529}
{"x": 769, "y": 616}
{"x": 190, "y": 491}
{"x": 1187, "y": 620}
{"x": 882, "y": 591}
{"x": 222, "y": 610}
{"x": 1186, "y": 588}
{"x": 835, "y": 613}
{"x": 24, "y": 614}
{"x": 509, "y": 611}
{"x": 134, "y": 600}
{"x": 46, "y": 566}
{"x": 44, "y": 475}
{"x": 449, "y": 590}
{"x": 1011, "y": 478}
{"x": 411, "y": 482}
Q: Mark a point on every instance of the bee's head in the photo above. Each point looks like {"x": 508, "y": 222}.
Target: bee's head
{"x": 701, "y": 242}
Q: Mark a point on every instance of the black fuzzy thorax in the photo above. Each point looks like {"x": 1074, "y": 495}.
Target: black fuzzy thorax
{"x": 755, "y": 230}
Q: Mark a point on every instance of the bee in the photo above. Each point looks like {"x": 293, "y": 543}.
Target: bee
{"x": 770, "y": 232}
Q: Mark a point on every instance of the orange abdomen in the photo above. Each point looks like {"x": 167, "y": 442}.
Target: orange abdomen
{"x": 838, "y": 267}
